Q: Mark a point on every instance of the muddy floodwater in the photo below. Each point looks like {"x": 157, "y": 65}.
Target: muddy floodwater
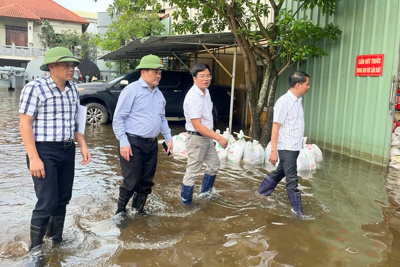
{"x": 352, "y": 206}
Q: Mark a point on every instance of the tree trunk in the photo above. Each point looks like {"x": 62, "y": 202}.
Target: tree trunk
{"x": 266, "y": 131}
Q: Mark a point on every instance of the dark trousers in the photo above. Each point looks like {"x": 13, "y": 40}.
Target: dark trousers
{"x": 54, "y": 191}
{"x": 139, "y": 171}
{"x": 287, "y": 167}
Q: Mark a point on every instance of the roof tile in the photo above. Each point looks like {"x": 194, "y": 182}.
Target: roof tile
{"x": 38, "y": 9}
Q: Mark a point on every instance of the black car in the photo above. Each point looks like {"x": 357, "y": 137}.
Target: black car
{"x": 101, "y": 98}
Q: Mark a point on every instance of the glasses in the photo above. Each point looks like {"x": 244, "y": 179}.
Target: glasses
{"x": 66, "y": 65}
{"x": 202, "y": 76}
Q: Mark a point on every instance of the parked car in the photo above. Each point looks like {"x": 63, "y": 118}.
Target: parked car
{"x": 101, "y": 98}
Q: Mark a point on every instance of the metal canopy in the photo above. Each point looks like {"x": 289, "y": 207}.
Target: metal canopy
{"x": 163, "y": 46}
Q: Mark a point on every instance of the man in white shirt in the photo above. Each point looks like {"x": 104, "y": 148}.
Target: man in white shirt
{"x": 287, "y": 140}
{"x": 199, "y": 125}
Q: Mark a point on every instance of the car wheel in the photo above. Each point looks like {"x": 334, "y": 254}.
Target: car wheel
{"x": 215, "y": 117}
{"x": 96, "y": 114}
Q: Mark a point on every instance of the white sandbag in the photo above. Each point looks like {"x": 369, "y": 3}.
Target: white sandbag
{"x": 223, "y": 152}
{"x": 229, "y": 137}
{"x": 236, "y": 150}
{"x": 253, "y": 153}
{"x": 318, "y": 153}
{"x": 267, "y": 154}
{"x": 309, "y": 150}
{"x": 305, "y": 162}
{"x": 179, "y": 145}
{"x": 394, "y": 151}
{"x": 397, "y": 131}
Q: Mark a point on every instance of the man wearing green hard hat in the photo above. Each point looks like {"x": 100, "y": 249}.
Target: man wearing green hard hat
{"x": 48, "y": 118}
{"x": 138, "y": 119}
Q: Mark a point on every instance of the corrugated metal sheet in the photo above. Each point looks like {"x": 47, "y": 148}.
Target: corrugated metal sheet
{"x": 345, "y": 113}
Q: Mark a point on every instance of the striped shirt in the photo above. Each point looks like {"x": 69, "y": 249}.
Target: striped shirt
{"x": 140, "y": 112}
{"x": 288, "y": 112}
{"x": 54, "y": 111}
{"x": 198, "y": 106}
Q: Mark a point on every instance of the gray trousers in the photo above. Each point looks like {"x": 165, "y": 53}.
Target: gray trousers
{"x": 200, "y": 149}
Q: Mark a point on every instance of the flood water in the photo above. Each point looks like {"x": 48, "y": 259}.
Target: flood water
{"x": 353, "y": 208}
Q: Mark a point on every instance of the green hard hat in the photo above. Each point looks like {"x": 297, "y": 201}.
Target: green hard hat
{"x": 151, "y": 62}
{"x": 58, "y": 54}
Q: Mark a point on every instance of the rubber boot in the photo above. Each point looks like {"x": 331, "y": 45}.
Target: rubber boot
{"x": 138, "y": 202}
{"x": 186, "y": 195}
{"x": 55, "y": 228}
{"x": 207, "y": 183}
{"x": 121, "y": 206}
{"x": 267, "y": 186}
{"x": 37, "y": 234}
{"x": 295, "y": 201}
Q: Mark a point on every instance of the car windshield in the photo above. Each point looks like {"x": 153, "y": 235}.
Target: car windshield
{"x": 119, "y": 78}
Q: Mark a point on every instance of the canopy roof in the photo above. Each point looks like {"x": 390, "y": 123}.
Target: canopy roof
{"x": 172, "y": 44}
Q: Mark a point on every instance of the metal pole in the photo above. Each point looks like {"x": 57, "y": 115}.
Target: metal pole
{"x": 232, "y": 89}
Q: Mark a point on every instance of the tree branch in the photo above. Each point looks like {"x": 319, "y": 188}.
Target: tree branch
{"x": 305, "y": 1}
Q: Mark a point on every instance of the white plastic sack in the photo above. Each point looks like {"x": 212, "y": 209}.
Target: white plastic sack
{"x": 223, "y": 152}
{"x": 318, "y": 153}
{"x": 253, "y": 153}
{"x": 179, "y": 144}
{"x": 229, "y": 137}
{"x": 236, "y": 150}
{"x": 305, "y": 162}
{"x": 267, "y": 153}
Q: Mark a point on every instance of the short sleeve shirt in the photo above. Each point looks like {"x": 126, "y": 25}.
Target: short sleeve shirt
{"x": 54, "y": 111}
{"x": 288, "y": 112}
{"x": 198, "y": 105}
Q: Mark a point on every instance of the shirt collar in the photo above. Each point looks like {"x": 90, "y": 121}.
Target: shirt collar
{"x": 53, "y": 85}
{"x": 198, "y": 90}
{"x": 293, "y": 97}
{"x": 145, "y": 85}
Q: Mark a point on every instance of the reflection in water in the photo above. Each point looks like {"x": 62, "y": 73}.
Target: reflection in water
{"x": 353, "y": 206}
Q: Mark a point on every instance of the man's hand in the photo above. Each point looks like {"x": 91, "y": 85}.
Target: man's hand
{"x": 36, "y": 167}
{"x": 85, "y": 156}
{"x": 126, "y": 152}
{"x": 170, "y": 147}
{"x": 222, "y": 142}
{"x": 273, "y": 157}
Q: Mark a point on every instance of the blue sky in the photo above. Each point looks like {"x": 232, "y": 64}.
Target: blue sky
{"x": 85, "y": 5}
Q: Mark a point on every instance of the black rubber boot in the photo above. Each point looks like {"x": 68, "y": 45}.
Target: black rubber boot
{"x": 138, "y": 202}
{"x": 55, "y": 228}
{"x": 121, "y": 206}
{"x": 295, "y": 201}
{"x": 37, "y": 234}
{"x": 267, "y": 186}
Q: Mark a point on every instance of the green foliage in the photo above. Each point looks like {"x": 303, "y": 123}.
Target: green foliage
{"x": 81, "y": 45}
{"x": 131, "y": 20}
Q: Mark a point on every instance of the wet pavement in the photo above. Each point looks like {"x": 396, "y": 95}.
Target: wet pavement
{"x": 353, "y": 212}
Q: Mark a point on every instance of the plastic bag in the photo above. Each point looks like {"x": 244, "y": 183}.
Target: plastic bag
{"x": 179, "y": 144}
{"x": 253, "y": 153}
{"x": 236, "y": 150}
{"x": 222, "y": 152}
{"x": 267, "y": 154}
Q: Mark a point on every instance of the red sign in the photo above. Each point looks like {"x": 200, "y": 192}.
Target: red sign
{"x": 369, "y": 65}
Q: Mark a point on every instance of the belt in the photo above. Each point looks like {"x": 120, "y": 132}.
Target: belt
{"x": 194, "y": 133}
{"x": 64, "y": 143}
{"x": 142, "y": 138}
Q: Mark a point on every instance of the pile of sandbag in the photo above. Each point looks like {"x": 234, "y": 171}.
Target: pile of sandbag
{"x": 395, "y": 149}
{"x": 252, "y": 152}
{"x": 308, "y": 159}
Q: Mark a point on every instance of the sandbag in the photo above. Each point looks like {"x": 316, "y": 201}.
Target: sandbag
{"x": 179, "y": 144}
{"x": 253, "y": 153}
{"x": 236, "y": 150}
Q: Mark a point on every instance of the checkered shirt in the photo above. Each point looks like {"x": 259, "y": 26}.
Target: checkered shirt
{"x": 54, "y": 111}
